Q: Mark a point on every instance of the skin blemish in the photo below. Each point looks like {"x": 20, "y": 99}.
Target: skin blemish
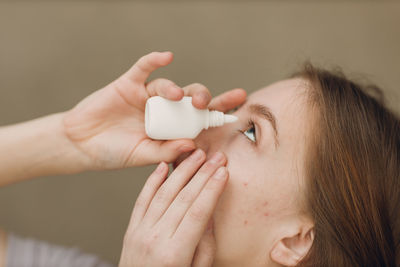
{"x": 265, "y": 203}
{"x": 266, "y": 214}
{"x": 245, "y": 222}
{"x": 245, "y": 183}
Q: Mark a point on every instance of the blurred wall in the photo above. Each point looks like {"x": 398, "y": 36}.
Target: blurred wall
{"x": 54, "y": 53}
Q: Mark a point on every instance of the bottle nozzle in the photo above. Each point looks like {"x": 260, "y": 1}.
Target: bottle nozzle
{"x": 229, "y": 118}
{"x": 218, "y": 118}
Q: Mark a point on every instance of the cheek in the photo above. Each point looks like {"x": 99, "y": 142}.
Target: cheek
{"x": 245, "y": 200}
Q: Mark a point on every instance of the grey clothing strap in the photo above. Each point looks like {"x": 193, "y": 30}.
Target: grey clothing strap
{"x": 25, "y": 252}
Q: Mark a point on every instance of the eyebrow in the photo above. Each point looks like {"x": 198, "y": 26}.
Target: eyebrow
{"x": 265, "y": 113}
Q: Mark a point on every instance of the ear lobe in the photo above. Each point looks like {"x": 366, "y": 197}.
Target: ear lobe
{"x": 291, "y": 249}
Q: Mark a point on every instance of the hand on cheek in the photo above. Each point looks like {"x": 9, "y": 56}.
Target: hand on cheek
{"x": 170, "y": 218}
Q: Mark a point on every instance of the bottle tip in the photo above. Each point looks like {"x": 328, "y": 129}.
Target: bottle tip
{"x": 229, "y": 118}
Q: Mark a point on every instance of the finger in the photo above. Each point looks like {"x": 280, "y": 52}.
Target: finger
{"x": 168, "y": 191}
{"x": 228, "y": 100}
{"x": 184, "y": 200}
{"x": 165, "y": 88}
{"x": 142, "y": 69}
{"x": 205, "y": 251}
{"x": 150, "y": 188}
{"x": 201, "y": 96}
{"x": 195, "y": 221}
{"x": 153, "y": 151}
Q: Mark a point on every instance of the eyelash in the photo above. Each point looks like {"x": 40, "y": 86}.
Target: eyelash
{"x": 250, "y": 124}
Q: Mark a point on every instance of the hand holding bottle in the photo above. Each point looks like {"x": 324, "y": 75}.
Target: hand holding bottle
{"x": 108, "y": 126}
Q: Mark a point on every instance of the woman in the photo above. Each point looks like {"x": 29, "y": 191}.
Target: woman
{"x": 313, "y": 167}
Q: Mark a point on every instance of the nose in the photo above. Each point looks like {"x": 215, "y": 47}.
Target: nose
{"x": 215, "y": 139}
{"x": 212, "y": 140}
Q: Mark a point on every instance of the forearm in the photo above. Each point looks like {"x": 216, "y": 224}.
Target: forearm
{"x": 37, "y": 148}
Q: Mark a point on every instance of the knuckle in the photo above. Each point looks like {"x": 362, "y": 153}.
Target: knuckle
{"x": 139, "y": 203}
{"x": 140, "y": 65}
{"x": 130, "y": 237}
{"x": 212, "y": 186}
{"x": 161, "y": 83}
{"x": 170, "y": 259}
{"x": 162, "y": 194}
{"x": 149, "y": 241}
{"x": 207, "y": 168}
{"x": 152, "y": 54}
{"x": 157, "y": 81}
{"x": 197, "y": 213}
{"x": 204, "y": 171}
{"x": 143, "y": 59}
{"x": 185, "y": 196}
{"x": 198, "y": 86}
{"x": 189, "y": 164}
{"x": 167, "y": 83}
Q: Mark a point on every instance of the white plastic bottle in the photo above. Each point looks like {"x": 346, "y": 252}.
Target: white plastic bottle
{"x": 166, "y": 119}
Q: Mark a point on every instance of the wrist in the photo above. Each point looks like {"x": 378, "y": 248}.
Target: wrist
{"x": 38, "y": 148}
{"x": 67, "y": 158}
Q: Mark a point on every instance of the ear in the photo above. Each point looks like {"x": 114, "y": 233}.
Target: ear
{"x": 294, "y": 244}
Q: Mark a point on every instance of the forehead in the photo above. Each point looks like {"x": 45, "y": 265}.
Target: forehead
{"x": 281, "y": 92}
{"x": 287, "y": 101}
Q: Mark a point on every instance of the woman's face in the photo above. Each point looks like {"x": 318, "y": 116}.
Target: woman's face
{"x": 265, "y": 151}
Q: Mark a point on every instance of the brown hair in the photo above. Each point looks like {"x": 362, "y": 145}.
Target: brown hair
{"x": 353, "y": 174}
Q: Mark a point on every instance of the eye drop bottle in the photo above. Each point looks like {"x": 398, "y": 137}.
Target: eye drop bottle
{"x": 166, "y": 119}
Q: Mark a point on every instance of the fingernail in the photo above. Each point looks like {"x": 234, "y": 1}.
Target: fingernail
{"x": 185, "y": 148}
{"x": 217, "y": 158}
{"x": 220, "y": 173}
{"x": 197, "y": 155}
{"x": 161, "y": 167}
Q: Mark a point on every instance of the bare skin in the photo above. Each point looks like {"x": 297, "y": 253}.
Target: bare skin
{"x": 104, "y": 131}
{"x": 259, "y": 220}
{"x": 256, "y": 221}
{"x": 168, "y": 226}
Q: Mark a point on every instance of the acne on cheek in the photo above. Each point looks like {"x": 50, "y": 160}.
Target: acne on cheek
{"x": 257, "y": 211}
{"x": 261, "y": 210}
{"x": 245, "y": 183}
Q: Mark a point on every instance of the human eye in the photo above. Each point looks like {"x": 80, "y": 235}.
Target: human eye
{"x": 250, "y": 132}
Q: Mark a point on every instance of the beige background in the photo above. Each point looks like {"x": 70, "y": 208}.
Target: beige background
{"x": 54, "y": 53}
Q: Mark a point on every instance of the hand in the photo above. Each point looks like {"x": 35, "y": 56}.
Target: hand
{"x": 170, "y": 223}
{"x": 108, "y": 126}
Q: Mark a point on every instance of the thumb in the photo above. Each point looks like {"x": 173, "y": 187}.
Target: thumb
{"x": 205, "y": 251}
{"x": 154, "y": 151}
